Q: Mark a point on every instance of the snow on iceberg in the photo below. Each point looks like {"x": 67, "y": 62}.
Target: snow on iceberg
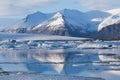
{"x": 102, "y": 45}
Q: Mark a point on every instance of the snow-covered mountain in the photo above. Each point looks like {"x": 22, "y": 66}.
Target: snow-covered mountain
{"x": 110, "y": 27}
{"x": 66, "y": 22}
{"x": 28, "y": 23}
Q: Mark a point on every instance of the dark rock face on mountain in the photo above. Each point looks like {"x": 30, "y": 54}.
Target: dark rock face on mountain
{"x": 45, "y": 30}
{"x": 63, "y": 30}
{"x": 110, "y": 27}
{"x": 110, "y": 32}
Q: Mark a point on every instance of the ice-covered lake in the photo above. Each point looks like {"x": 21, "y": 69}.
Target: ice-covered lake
{"x": 104, "y": 63}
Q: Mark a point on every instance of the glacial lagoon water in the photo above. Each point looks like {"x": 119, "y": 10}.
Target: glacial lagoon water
{"x": 103, "y": 63}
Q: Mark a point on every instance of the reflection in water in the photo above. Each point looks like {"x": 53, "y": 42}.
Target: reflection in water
{"x": 58, "y": 61}
{"x": 51, "y": 57}
{"x": 65, "y": 60}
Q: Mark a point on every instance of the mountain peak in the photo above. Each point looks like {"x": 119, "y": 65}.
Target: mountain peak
{"x": 58, "y": 14}
{"x": 64, "y": 10}
{"x": 35, "y": 15}
{"x": 67, "y": 11}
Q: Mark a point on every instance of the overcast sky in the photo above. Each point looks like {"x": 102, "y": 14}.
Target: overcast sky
{"x": 23, "y": 7}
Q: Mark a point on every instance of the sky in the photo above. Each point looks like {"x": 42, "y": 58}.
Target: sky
{"x": 18, "y": 8}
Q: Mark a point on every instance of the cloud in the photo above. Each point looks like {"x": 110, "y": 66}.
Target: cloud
{"x": 28, "y": 3}
{"x": 99, "y": 4}
{"x": 17, "y": 7}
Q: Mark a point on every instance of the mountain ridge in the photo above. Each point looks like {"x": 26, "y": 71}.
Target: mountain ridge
{"x": 66, "y": 22}
{"x": 110, "y": 27}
